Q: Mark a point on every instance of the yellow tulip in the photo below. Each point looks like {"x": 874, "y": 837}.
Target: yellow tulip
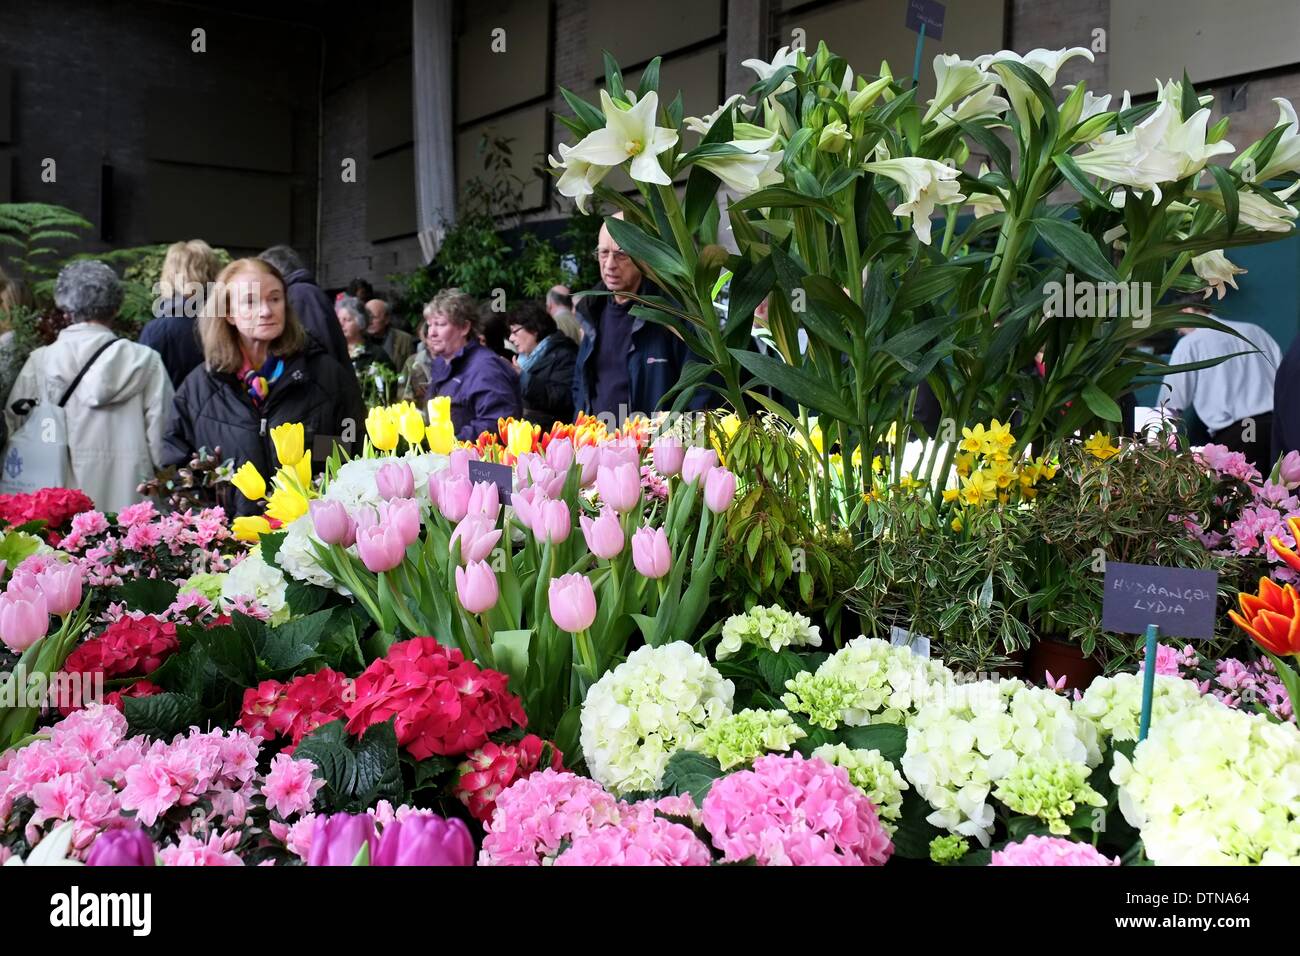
{"x": 250, "y": 528}
{"x": 303, "y": 471}
{"x": 440, "y": 409}
{"x": 412, "y": 425}
{"x": 288, "y": 439}
{"x": 250, "y": 481}
{"x": 286, "y": 505}
{"x": 381, "y": 426}
{"x": 520, "y": 437}
{"x": 442, "y": 437}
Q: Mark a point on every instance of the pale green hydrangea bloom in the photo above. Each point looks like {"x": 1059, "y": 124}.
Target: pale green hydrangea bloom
{"x": 771, "y": 627}
{"x": 1050, "y": 790}
{"x": 948, "y": 849}
{"x": 739, "y": 738}
{"x": 207, "y": 584}
{"x": 874, "y": 775}
{"x": 1114, "y": 704}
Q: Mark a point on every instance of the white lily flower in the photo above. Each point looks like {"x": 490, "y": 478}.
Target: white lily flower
{"x": 985, "y": 204}
{"x": 926, "y": 183}
{"x": 51, "y": 851}
{"x": 834, "y": 137}
{"x": 1186, "y": 140}
{"x": 1286, "y": 155}
{"x": 1046, "y": 63}
{"x": 955, "y": 78}
{"x": 752, "y": 138}
{"x": 1136, "y": 159}
{"x": 739, "y": 172}
{"x": 629, "y": 134}
{"x": 784, "y": 57}
{"x": 700, "y": 125}
{"x": 984, "y": 103}
{"x": 579, "y": 179}
{"x": 1092, "y": 105}
{"x": 1258, "y": 213}
{"x": 1172, "y": 93}
{"x": 1217, "y": 271}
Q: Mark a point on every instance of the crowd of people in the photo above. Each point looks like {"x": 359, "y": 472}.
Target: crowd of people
{"x": 234, "y": 351}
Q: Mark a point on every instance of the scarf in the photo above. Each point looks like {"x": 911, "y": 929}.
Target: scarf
{"x": 526, "y": 362}
{"x": 259, "y": 382}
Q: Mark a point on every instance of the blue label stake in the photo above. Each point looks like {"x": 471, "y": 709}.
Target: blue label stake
{"x": 1148, "y": 681}
{"x": 916, "y": 63}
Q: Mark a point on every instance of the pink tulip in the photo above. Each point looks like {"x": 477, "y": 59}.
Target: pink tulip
{"x": 337, "y": 839}
{"x": 477, "y": 535}
{"x": 381, "y": 547}
{"x": 719, "y": 490}
{"x": 24, "y": 617}
{"x": 697, "y": 463}
{"x": 525, "y": 502}
{"x": 604, "y": 535}
{"x": 403, "y": 514}
{"x": 621, "y": 451}
{"x": 669, "y": 453}
{"x": 367, "y": 517}
{"x": 552, "y": 521}
{"x": 423, "y": 839}
{"x": 650, "y": 552}
{"x": 395, "y": 480}
{"x": 1289, "y": 473}
{"x": 559, "y": 455}
{"x": 484, "y": 499}
{"x": 588, "y": 458}
{"x": 453, "y": 496}
{"x": 332, "y": 522}
{"x": 125, "y": 846}
{"x": 523, "y": 464}
{"x": 61, "y": 584}
{"x": 477, "y": 588}
{"x": 548, "y": 479}
{"x": 459, "y": 460}
{"x": 619, "y": 487}
{"x": 573, "y": 602}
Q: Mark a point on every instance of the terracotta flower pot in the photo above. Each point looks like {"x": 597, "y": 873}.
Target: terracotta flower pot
{"x": 1063, "y": 660}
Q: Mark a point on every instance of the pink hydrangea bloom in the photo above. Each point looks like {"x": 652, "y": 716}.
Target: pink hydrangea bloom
{"x": 679, "y": 807}
{"x": 1049, "y": 851}
{"x": 535, "y": 815}
{"x": 291, "y": 785}
{"x": 653, "y": 842}
{"x": 791, "y": 811}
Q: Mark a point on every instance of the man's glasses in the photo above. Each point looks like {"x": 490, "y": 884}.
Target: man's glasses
{"x": 617, "y": 256}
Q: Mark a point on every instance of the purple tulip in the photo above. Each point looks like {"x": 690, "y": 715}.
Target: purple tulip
{"x": 453, "y": 496}
{"x": 484, "y": 499}
{"x": 337, "y": 839}
{"x": 126, "y": 846}
{"x": 650, "y": 552}
{"x": 719, "y": 490}
{"x": 559, "y": 455}
{"x": 381, "y": 547}
{"x": 525, "y": 501}
{"x": 61, "y": 584}
{"x": 477, "y": 588}
{"x": 697, "y": 463}
{"x": 477, "y": 535}
{"x": 404, "y": 515}
{"x": 395, "y": 480}
{"x": 572, "y": 602}
{"x": 24, "y": 617}
{"x": 1289, "y": 472}
{"x": 669, "y": 453}
{"x": 604, "y": 534}
{"x": 619, "y": 486}
{"x": 552, "y": 521}
{"x": 332, "y": 522}
{"x": 588, "y": 458}
{"x": 423, "y": 839}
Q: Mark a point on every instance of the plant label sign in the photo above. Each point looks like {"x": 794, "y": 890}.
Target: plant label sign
{"x": 927, "y": 13}
{"x": 503, "y": 476}
{"x": 1180, "y": 601}
{"x": 901, "y": 637}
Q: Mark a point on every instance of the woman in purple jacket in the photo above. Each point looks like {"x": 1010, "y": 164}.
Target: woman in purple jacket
{"x": 481, "y": 385}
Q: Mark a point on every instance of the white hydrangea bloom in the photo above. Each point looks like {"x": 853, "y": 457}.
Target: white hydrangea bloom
{"x": 964, "y": 741}
{"x": 1114, "y": 704}
{"x": 1216, "y": 786}
{"x": 659, "y": 700}
{"x": 354, "y": 484}
{"x": 770, "y": 627}
{"x": 254, "y": 578}
{"x": 297, "y": 558}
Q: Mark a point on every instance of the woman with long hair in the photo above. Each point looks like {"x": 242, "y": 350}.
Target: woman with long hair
{"x": 188, "y": 270}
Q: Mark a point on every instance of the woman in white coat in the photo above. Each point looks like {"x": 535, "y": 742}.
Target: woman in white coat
{"x": 117, "y": 414}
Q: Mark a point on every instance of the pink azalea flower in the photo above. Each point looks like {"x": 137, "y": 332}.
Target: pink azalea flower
{"x": 291, "y": 785}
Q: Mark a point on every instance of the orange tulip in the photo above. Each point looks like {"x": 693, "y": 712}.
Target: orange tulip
{"x": 1272, "y": 617}
{"x": 1288, "y": 555}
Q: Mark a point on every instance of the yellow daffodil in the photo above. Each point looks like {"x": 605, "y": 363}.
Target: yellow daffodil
{"x": 965, "y": 462}
{"x": 730, "y": 424}
{"x": 440, "y": 409}
{"x": 1002, "y": 473}
{"x": 1100, "y": 447}
{"x": 381, "y": 426}
{"x": 815, "y": 437}
{"x": 249, "y": 528}
{"x": 250, "y": 481}
{"x": 288, "y": 439}
{"x": 957, "y": 525}
{"x": 877, "y": 465}
{"x": 411, "y": 425}
{"x": 973, "y": 440}
{"x": 950, "y": 494}
{"x": 908, "y": 483}
{"x": 978, "y": 488}
{"x": 286, "y": 505}
{"x": 999, "y": 436}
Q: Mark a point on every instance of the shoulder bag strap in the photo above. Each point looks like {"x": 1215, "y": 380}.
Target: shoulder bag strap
{"x": 85, "y": 368}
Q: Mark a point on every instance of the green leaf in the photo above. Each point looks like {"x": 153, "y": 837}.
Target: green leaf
{"x": 691, "y": 773}
{"x": 1079, "y": 180}
{"x": 151, "y": 595}
{"x": 1078, "y": 248}
{"x": 802, "y": 386}
{"x": 231, "y": 649}
{"x": 889, "y": 739}
{"x": 294, "y": 643}
{"x": 378, "y": 775}
{"x": 780, "y": 197}
{"x": 304, "y": 598}
{"x": 270, "y": 544}
{"x": 649, "y": 79}
{"x": 654, "y": 252}
{"x": 161, "y": 716}
{"x": 914, "y": 833}
{"x": 327, "y": 748}
{"x": 587, "y": 114}
{"x": 701, "y": 188}
{"x": 1101, "y": 404}
{"x": 510, "y": 652}
{"x": 777, "y": 668}
{"x": 928, "y": 283}
{"x": 613, "y": 77}
{"x": 1228, "y": 190}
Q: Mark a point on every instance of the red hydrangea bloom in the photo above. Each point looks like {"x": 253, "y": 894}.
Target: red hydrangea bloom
{"x": 54, "y": 506}
{"x": 294, "y": 710}
{"x": 493, "y": 767}
{"x": 444, "y": 704}
{"x": 141, "y": 688}
{"x": 130, "y": 646}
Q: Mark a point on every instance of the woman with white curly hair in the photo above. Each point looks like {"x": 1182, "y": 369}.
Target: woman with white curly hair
{"x": 117, "y": 412}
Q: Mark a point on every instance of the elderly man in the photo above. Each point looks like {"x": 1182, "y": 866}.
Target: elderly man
{"x": 625, "y": 363}
{"x": 397, "y": 344}
{"x": 116, "y": 394}
{"x": 559, "y": 306}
